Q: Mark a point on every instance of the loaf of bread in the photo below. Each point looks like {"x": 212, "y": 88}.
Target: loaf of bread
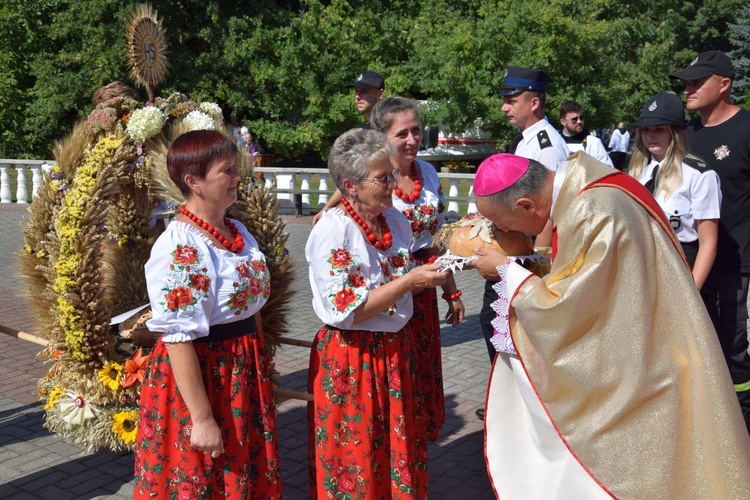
{"x": 480, "y": 232}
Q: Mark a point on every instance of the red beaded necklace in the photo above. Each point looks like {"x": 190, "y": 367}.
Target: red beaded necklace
{"x": 236, "y": 246}
{"x": 417, "y": 187}
{"x": 387, "y": 240}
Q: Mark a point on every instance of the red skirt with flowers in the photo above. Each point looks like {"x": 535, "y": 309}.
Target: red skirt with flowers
{"x": 236, "y": 375}
{"x": 366, "y": 437}
{"x": 425, "y": 325}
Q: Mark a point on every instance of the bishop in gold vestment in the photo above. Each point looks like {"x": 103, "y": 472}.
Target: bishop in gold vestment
{"x": 609, "y": 381}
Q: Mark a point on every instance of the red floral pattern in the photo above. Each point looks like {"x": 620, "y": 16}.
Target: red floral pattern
{"x": 185, "y": 255}
{"x": 366, "y": 432}
{"x": 200, "y": 282}
{"x": 344, "y": 298}
{"x": 426, "y": 219}
{"x": 179, "y": 298}
{"x": 236, "y": 375}
{"x": 425, "y": 326}
{"x": 187, "y": 283}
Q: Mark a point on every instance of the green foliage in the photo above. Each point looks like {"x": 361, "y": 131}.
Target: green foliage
{"x": 281, "y": 66}
{"x": 740, "y": 39}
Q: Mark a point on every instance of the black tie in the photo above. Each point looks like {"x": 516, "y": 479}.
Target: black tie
{"x": 514, "y": 142}
{"x": 651, "y": 184}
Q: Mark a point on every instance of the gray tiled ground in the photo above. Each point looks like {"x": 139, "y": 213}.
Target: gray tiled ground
{"x": 37, "y": 465}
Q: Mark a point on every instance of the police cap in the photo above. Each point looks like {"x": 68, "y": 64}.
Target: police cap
{"x": 519, "y": 80}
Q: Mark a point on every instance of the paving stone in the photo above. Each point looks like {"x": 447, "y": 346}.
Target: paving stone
{"x": 64, "y": 471}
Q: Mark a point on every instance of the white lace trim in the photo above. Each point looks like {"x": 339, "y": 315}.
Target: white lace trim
{"x": 455, "y": 262}
{"x": 501, "y": 338}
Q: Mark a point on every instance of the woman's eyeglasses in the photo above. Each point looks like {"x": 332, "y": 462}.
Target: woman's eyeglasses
{"x": 393, "y": 177}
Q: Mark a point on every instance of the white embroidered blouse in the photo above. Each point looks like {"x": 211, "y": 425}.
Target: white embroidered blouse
{"x": 426, "y": 213}
{"x": 192, "y": 284}
{"x": 343, "y": 267}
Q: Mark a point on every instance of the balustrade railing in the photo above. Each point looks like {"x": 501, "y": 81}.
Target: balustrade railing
{"x": 291, "y": 185}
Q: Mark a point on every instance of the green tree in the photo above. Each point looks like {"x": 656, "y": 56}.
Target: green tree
{"x": 281, "y": 66}
{"x": 740, "y": 39}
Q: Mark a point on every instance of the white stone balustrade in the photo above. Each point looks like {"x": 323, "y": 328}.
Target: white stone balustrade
{"x": 295, "y": 195}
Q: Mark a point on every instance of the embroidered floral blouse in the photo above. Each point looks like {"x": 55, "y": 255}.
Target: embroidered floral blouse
{"x": 192, "y": 284}
{"x": 343, "y": 267}
{"x": 426, "y": 213}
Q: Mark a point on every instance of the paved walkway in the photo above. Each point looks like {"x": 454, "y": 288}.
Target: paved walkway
{"x": 37, "y": 465}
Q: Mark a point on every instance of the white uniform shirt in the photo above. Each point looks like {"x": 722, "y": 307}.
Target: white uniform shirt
{"x": 594, "y": 147}
{"x": 541, "y": 142}
{"x": 698, "y": 198}
{"x": 343, "y": 267}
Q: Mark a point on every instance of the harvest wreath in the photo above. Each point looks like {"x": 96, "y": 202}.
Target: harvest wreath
{"x": 87, "y": 239}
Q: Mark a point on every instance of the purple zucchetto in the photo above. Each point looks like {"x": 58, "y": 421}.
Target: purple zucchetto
{"x": 499, "y": 172}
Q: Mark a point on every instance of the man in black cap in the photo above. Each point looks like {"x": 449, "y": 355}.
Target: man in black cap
{"x": 721, "y": 137}
{"x": 524, "y": 95}
{"x": 369, "y": 88}
{"x": 368, "y": 91}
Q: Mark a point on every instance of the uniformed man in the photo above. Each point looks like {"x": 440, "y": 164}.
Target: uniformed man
{"x": 720, "y": 135}
{"x": 524, "y": 95}
{"x": 576, "y": 136}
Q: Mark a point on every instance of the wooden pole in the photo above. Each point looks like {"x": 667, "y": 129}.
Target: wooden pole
{"x": 24, "y": 336}
{"x": 278, "y": 391}
{"x": 297, "y": 342}
{"x": 286, "y": 393}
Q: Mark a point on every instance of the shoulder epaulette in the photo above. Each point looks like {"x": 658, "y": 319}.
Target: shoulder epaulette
{"x": 543, "y": 139}
{"x": 696, "y": 163}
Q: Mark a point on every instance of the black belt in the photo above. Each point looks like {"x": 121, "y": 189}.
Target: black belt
{"x": 226, "y": 331}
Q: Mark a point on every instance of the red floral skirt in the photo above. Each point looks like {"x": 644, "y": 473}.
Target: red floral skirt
{"x": 236, "y": 375}
{"x": 366, "y": 437}
{"x": 425, "y": 325}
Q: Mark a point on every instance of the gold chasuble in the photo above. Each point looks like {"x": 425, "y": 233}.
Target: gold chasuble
{"x": 619, "y": 388}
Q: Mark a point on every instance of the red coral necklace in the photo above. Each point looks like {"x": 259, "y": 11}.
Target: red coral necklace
{"x": 387, "y": 240}
{"x": 417, "y": 187}
{"x": 239, "y": 243}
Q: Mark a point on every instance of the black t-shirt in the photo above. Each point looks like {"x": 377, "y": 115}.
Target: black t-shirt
{"x": 726, "y": 149}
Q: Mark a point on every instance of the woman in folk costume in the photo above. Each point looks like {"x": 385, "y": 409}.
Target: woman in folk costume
{"x": 609, "y": 379}
{"x": 366, "y": 431}
{"x": 207, "y": 418}
{"x": 419, "y": 197}
{"x": 685, "y": 188}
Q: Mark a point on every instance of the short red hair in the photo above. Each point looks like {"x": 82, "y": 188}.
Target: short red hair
{"x": 193, "y": 152}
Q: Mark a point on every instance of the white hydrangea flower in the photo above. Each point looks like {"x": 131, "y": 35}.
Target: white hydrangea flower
{"x": 198, "y": 120}
{"x": 145, "y": 123}
{"x": 211, "y": 108}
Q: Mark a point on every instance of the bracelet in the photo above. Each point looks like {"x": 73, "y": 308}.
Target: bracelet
{"x": 451, "y": 296}
{"x": 429, "y": 260}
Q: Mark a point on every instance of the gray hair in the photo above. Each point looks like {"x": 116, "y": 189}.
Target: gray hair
{"x": 384, "y": 111}
{"x": 529, "y": 185}
{"x": 354, "y": 151}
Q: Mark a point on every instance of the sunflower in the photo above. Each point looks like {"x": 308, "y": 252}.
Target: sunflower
{"x": 125, "y": 426}
{"x": 110, "y": 375}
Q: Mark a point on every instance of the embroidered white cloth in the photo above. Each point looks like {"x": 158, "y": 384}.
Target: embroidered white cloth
{"x": 426, "y": 213}
{"x": 343, "y": 267}
{"x": 192, "y": 284}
